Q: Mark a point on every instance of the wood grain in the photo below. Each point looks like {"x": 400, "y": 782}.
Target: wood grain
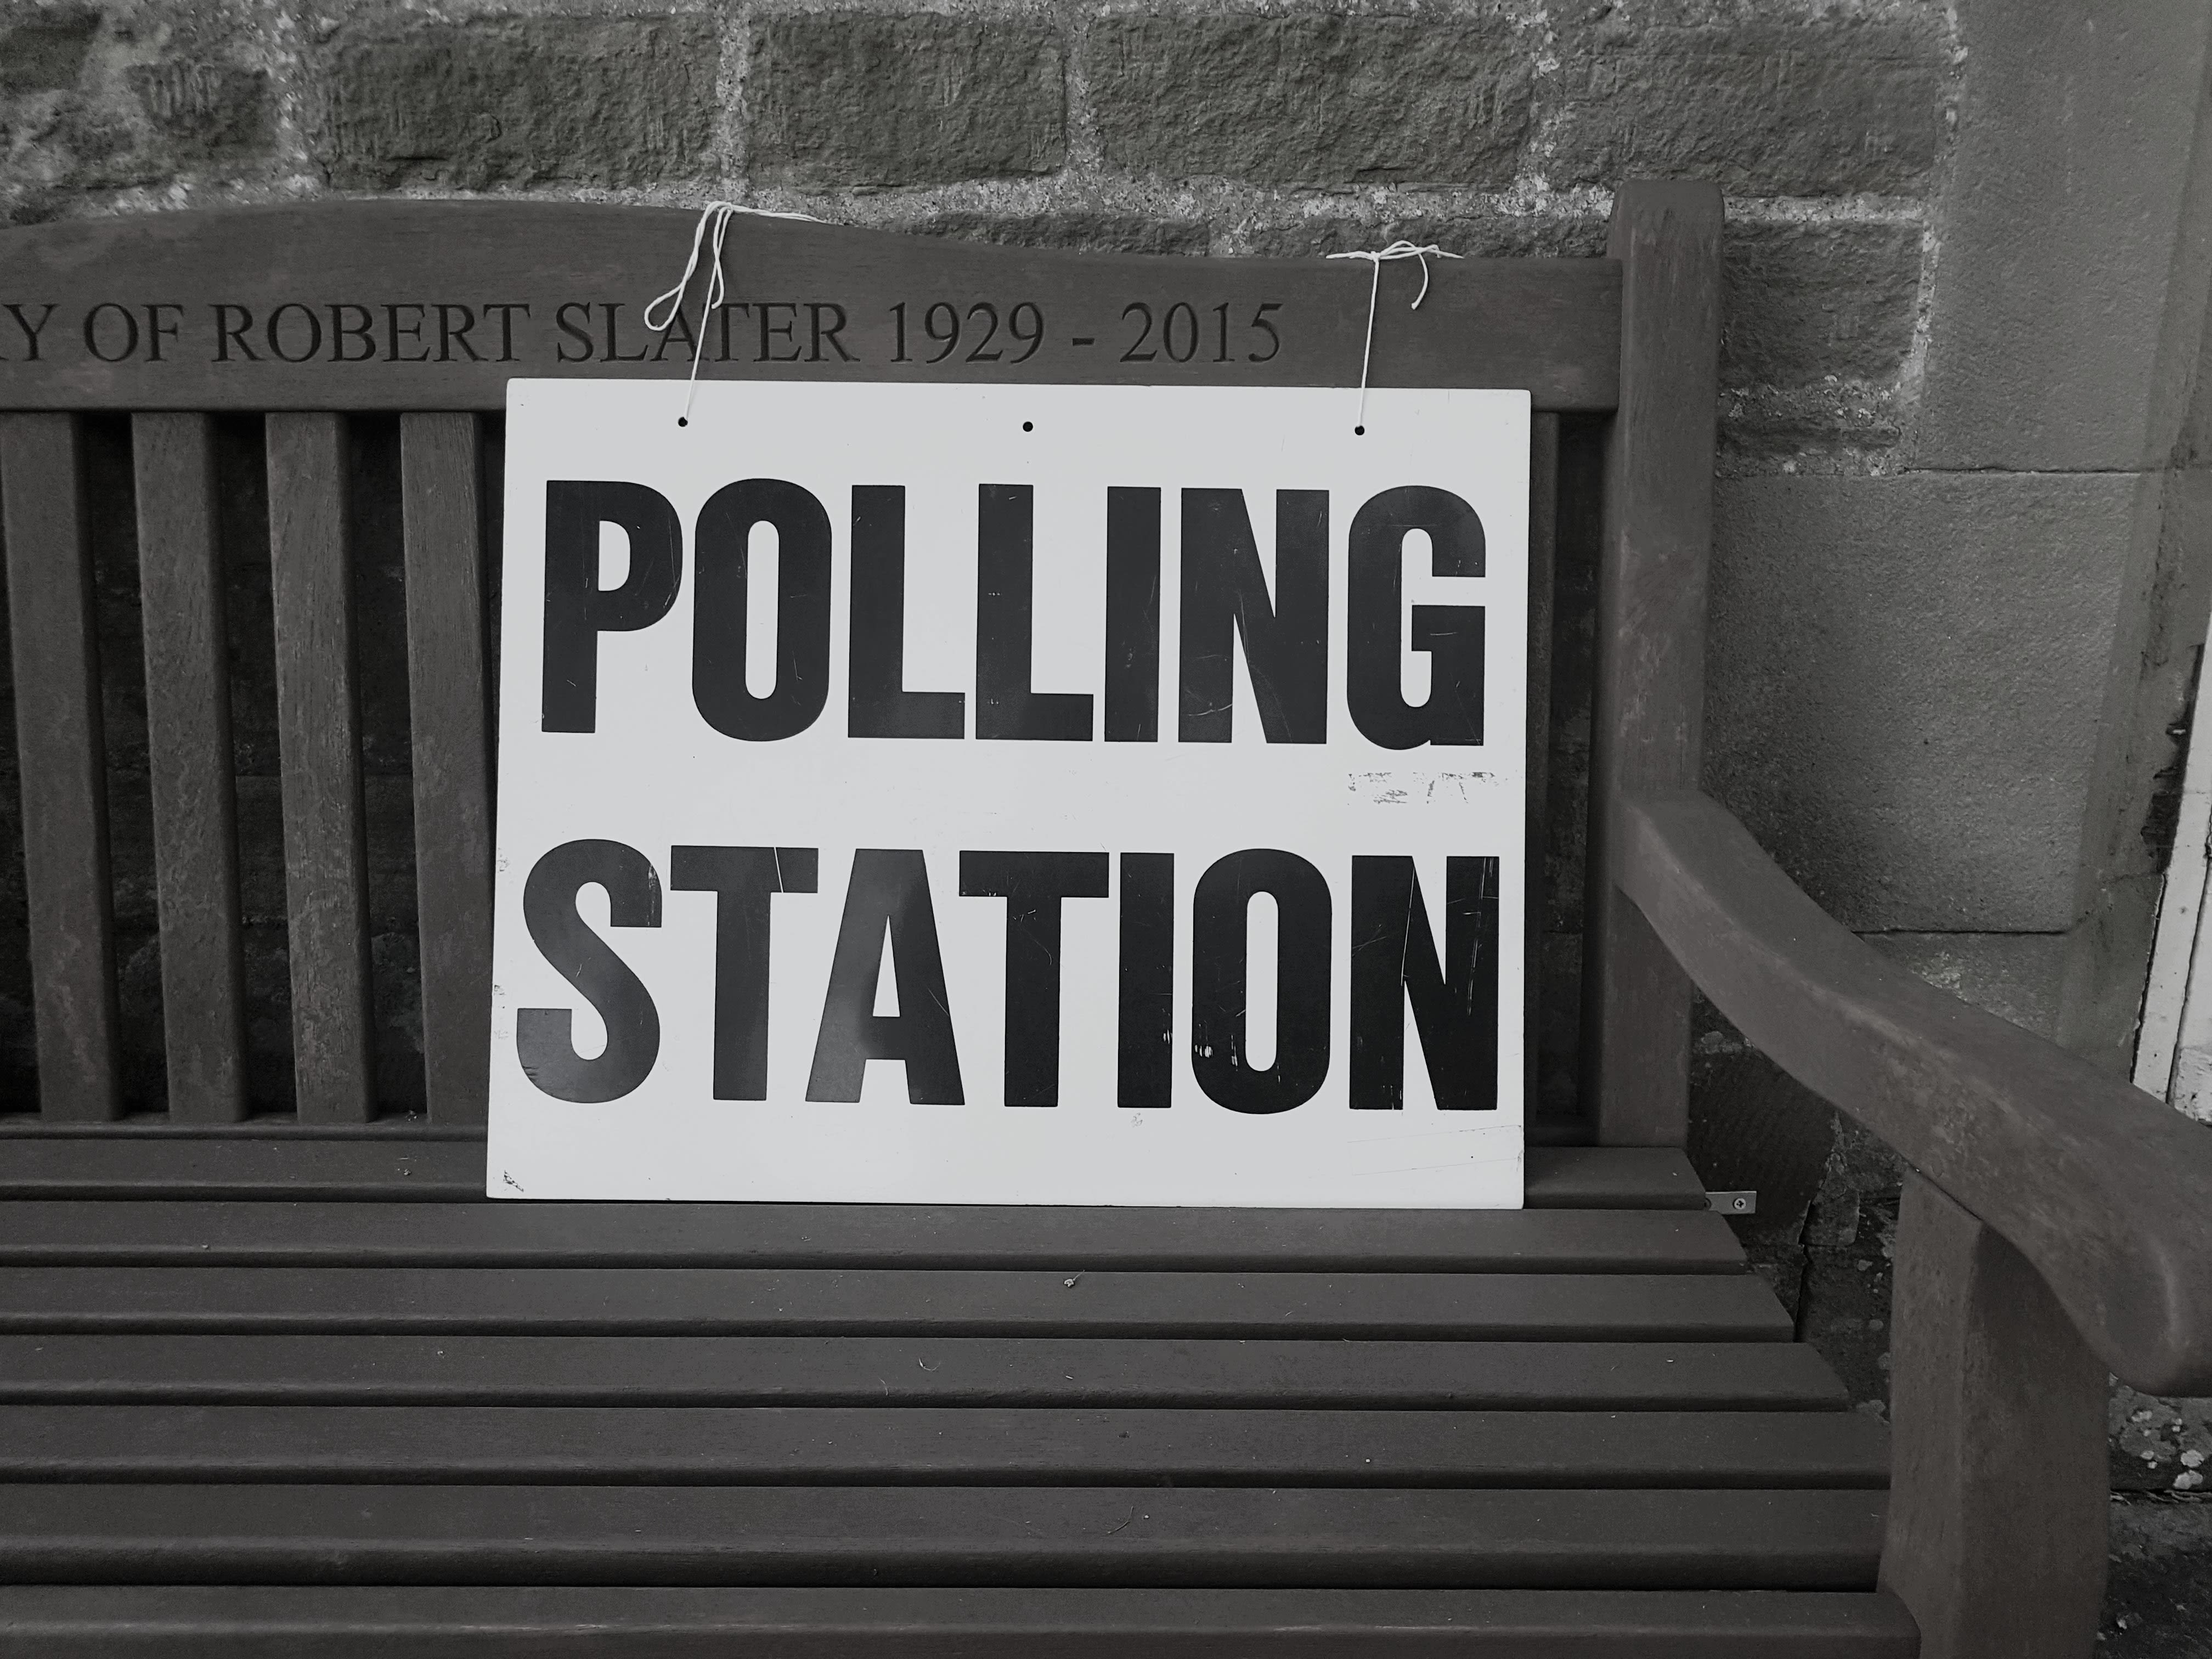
{"x": 1142, "y": 1535}
{"x": 98, "y": 1232}
{"x": 1543, "y": 539}
{"x": 864, "y": 1370}
{"x": 1996, "y": 1529}
{"x": 928, "y": 1446}
{"x": 263, "y": 1621}
{"x": 1550, "y": 325}
{"x": 2099, "y": 1185}
{"x": 372, "y": 1164}
{"x": 1648, "y": 703}
{"x": 739, "y": 1302}
{"x": 61, "y": 752}
{"x": 448, "y": 703}
{"x": 326, "y": 866}
{"x": 180, "y": 587}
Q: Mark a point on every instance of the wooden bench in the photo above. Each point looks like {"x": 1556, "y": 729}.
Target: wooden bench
{"x": 273, "y": 1383}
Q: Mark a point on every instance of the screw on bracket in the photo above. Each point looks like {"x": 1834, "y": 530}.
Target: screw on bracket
{"x": 1734, "y": 1203}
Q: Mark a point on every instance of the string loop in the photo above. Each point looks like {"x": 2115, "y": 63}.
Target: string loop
{"x": 1377, "y": 257}
{"x": 715, "y": 216}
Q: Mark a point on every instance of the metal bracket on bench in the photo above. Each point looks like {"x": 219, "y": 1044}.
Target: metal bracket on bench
{"x": 1734, "y": 1203}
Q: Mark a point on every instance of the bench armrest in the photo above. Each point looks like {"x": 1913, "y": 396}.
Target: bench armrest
{"x": 2107, "y": 1192}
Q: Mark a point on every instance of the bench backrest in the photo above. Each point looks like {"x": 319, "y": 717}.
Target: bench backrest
{"x": 307, "y": 315}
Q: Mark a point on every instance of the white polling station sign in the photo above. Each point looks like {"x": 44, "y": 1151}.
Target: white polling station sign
{"x": 1011, "y": 794}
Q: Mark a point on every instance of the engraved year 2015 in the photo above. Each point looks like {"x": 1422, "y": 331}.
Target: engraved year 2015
{"x": 1176, "y": 333}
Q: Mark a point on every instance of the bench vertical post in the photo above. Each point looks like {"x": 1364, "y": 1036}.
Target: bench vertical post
{"x": 62, "y": 754}
{"x": 189, "y": 756}
{"x": 446, "y": 696}
{"x": 1649, "y": 700}
{"x": 1998, "y": 1483}
{"x": 1543, "y": 547}
{"x": 319, "y": 732}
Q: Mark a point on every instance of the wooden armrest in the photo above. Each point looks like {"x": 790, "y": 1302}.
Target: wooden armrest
{"x": 2107, "y": 1192}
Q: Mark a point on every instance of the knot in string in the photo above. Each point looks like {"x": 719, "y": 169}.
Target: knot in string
{"x": 1377, "y": 257}
{"x": 715, "y": 217}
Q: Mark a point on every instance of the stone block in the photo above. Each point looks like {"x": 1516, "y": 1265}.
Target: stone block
{"x": 1848, "y": 426}
{"x": 1483, "y": 236}
{"x": 1802, "y": 301}
{"x": 206, "y": 111}
{"x": 44, "y": 49}
{"x": 1902, "y": 684}
{"x": 1820, "y": 104}
{"x": 2016, "y": 976}
{"x": 1313, "y": 101}
{"x": 1099, "y": 232}
{"x": 861, "y": 98}
{"x": 128, "y": 95}
{"x": 2077, "y": 229}
{"x": 518, "y": 100}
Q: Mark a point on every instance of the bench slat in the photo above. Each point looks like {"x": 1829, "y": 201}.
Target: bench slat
{"x": 189, "y": 756}
{"x": 1550, "y": 325}
{"x": 125, "y": 1163}
{"x": 161, "y": 1231}
{"x": 966, "y": 1445}
{"x": 61, "y": 755}
{"x": 1519, "y": 1539}
{"x": 734, "y": 1302}
{"x": 491, "y": 1622}
{"x": 448, "y": 702}
{"x": 319, "y": 731}
{"x": 689, "y": 1370}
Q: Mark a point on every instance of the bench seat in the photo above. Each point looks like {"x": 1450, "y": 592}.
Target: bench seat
{"x": 255, "y": 1387}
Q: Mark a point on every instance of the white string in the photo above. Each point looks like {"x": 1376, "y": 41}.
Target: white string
{"x": 1376, "y": 258}
{"x": 718, "y": 214}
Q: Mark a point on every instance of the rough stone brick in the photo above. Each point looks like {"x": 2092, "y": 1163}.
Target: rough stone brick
{"x": 855, "y": 98}
{"x": 2015, "y": 976}
{"x": 1903, "y": 686}
{"x": 2073, "y": 285}
{"x": 127, "y": 94}
{"x": 1802, "y": 301}
{"x": 584, "y": 101}
{"x": 1799, "y": 107}
{"x": 1320, "y": 100}
{"x": 1107, "y": 233}
{"x": 1488, "y": 236}
{"x": 206, "y": 111}
{"x": 45, "y": 50}
{"x": 1838, "y": 428}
